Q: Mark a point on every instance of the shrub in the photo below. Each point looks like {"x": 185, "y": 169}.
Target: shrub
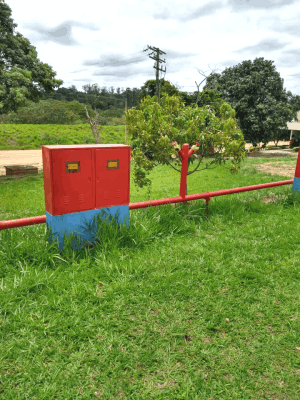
{"x": 254, "y": 149}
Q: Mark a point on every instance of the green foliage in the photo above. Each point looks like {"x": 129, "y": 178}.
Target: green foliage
{"x": 212, "y": 99}
{"x": 113, "y": 103}
{"x": 189, "y": 100}
{"x": 296, "y": 149}
{"x": 20, "y": 67}
{"x": 113, "y": 113}
{"x": 48, "y": 112}
{"x": 79, "y": 110}
{"x": 255, "y": 90}
{"x": 149, "y": 89}
{"x": 61, "y": 112}
{"x": 155, "y": 127}
{"x": 294, "y": 101}
{"x": 256, "y": 148}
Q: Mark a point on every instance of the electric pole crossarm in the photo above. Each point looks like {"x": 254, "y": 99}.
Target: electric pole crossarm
{"x": 155, "y": 49}
{"x": 158, "y": 60}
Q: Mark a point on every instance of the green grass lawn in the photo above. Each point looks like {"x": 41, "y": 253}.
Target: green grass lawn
{"x": 176, "y": 307}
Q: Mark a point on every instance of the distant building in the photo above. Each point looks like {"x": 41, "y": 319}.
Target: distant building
{"x": 294, "y": 125}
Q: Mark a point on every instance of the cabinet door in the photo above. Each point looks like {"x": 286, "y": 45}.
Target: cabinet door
{"x": 73, "y": 188}
{"x": 112, "y": 177}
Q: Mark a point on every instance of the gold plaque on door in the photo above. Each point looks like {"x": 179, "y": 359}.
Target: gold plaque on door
{"x": 112, "y": 164}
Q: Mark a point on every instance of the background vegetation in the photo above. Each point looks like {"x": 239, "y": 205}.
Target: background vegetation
{"x": 67, "y": 107}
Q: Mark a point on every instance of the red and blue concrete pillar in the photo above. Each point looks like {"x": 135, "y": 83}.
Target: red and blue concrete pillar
{"x": 82, "y": 183}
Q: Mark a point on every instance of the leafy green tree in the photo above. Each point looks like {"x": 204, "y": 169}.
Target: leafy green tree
{"x": 159, "y": 130}
{"x": 294, "y": 101}
{"x": 79, "y": 110}
{"x": 92, "y": 93}
{"x": 255, "y": 90}
{"x": 133, "y": 96}
{"x": 68, "y": 94}
{"x": 20, "y": 67}
{"x": 206, "y": 97}
{"x": 149, "y": 89}
{"x": 212, "y": 99}
{"x": 188, "y": 99}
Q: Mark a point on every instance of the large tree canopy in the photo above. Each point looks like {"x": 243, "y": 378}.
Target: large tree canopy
{"x": 255, "y": 90}
{"x": 20, "y": 68}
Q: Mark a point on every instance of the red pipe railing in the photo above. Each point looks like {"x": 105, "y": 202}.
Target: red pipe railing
{"x": 206, "y": 195}
{"x": 15, "y": 223}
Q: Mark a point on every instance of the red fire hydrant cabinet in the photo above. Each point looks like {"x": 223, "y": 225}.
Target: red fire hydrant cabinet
{"x": 82, "y": 180}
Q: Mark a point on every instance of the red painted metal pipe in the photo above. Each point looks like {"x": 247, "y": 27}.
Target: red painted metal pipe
{"x": 15, "y": 223}
{"x": 205, "y": 195}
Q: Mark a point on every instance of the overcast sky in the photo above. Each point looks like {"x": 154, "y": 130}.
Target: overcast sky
{"x": 102, "y": 42}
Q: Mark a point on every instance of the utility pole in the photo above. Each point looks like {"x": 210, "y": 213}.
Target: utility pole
{"x": 156, "y": 66}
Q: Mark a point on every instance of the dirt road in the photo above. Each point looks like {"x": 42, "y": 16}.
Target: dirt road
{"x": 34, "y": 157}
{"x": 20, "y": 157}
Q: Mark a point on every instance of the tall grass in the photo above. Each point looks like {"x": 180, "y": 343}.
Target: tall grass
{"x": 176, "y": 307}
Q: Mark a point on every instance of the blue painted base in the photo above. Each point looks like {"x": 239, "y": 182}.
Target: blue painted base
{"x": 79, "y": 223}
{"x": 296, "y": 184}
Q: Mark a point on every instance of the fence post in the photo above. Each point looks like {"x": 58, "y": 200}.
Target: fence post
{"x": 296, "y": 183}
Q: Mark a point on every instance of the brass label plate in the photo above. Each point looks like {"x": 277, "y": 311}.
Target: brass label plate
{"x": 72, "y": 166}
{"x": 112, "y": 164}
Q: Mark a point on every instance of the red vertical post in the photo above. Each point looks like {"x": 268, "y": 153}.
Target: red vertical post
{"x": 185, "y": 153}
{"x": 296, "y": 183}
{"x": 297, "y": 170}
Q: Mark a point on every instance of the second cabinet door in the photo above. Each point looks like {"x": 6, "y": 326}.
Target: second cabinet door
{"x": 112, "y": 177}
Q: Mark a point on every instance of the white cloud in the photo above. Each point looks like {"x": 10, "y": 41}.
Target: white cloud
{"x": 71, "y": 36}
